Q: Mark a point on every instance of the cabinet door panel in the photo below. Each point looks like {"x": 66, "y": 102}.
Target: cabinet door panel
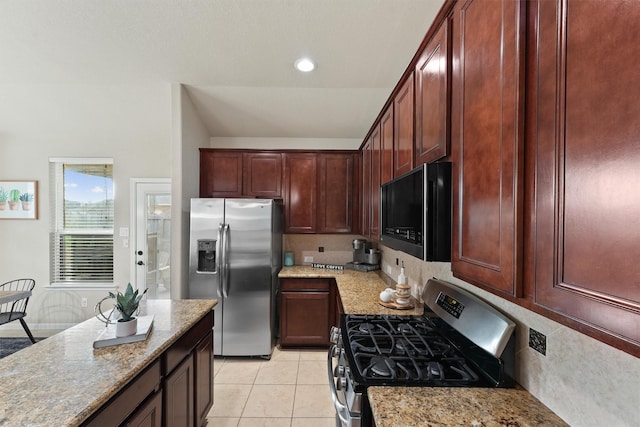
{"x": 220, "y": 173}
{"x": 179, "y": 388}
{"x": 203, "y": 355}
{"x": 301, "y": 180}
{"x": 365, "y": 222}
{"x": 487, "y": 143}
{"x": 335, "y": 193}
{"x": 149, "y": 414}
{"x": 305, "y": 318}
{"x": 386, "y": 145}
{"x": 403, "y": 118}
{"x": 432, "y": 99}
{"x": 374, "y": 223}
{"x": 587, "y": 227}
{"x": 262, "y": 175}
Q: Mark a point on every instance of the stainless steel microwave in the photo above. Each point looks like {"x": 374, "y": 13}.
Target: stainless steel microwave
{"x": 415, "y": 212}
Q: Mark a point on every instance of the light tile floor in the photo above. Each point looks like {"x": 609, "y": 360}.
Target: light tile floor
{"x": 290, "y": 390}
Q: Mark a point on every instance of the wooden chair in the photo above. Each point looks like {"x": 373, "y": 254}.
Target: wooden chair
{"x": 17, "y": 309}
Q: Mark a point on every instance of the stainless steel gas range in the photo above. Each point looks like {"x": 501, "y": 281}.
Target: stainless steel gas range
{"x": 459, "y": 341}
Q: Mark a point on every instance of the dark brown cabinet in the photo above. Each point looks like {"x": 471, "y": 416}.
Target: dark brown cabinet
{"x": 149, "y": 414}
{"x": 305, "y": 312}
{"x": 238, "y": 173}
{"x": 365, "y": 179}
{"x": 403, "y": 126}
{"x": 584, "y": 225}
{"x": 487, "y": 143}
{"x": 432, "y": 99}
{"x": 220, "y": 173}
{"x": 386, "y": 145}
{"x": 320, "y": 192}
{"x": 203, "y": 369}
{"x": 178, "y": 391}
{"x": 300, "y": 196}
{"x": 336, "y": 193}
{"x": 262, "y": 175}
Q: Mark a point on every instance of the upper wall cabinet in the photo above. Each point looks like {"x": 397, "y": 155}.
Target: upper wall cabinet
{"x": 403, "y": 128}
{"x": 585, "y": 159}
{"x": 487, "y": 143}
{"x": 220, "y": 173}
{"x": 386, "y": 146}
{"x": 262, "y": 175}
{"x": 300, "y": 196}
{"x": 237, "y": 173}
{"x": 320, "y": 194}
{"x": 432, "y": 99}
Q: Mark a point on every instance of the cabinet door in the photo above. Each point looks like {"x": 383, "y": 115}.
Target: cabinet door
{"x": 403, "y": 119}
{"x": 148, "y": 414}
{"x": 300, "y": 199}
{"x": 432, "y": 100}
{"x": 262, "y": 175}
{"x": 335, "y": 193}
{"x": 487, "y": 144}
{"x": 179, "y": 402}
{"x": 304, "y": 318}
{"x": 203, "y": 360}
{"x": 365, "y": 221}
{"x": 220, "y": 173}
{"x": 386, "y": 145}
{"x": 374, "y": 223}
{"x": 586, "y": 175}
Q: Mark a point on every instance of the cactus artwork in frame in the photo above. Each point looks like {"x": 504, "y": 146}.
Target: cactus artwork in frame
{"x": 18, "y": 199}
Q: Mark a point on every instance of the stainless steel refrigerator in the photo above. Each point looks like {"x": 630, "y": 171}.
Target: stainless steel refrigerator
{"x": 235, "y": 256}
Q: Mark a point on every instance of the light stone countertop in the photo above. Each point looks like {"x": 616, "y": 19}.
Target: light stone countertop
{"x": 62, "y": 380}
{"x": 359, "y": 291}
{"x": 429, "y": 406}
{"x": 459, "y": 406}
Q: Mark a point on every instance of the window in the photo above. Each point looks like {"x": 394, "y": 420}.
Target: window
{"x": 81, "y": 237}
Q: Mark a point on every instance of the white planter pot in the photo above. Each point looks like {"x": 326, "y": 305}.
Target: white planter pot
{"x": 124, "y": 329}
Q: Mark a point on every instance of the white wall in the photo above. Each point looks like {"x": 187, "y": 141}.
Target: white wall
{"x": 587, "y": 383}
{"x": 189, "y": 134}
{"x": 129, "y": 123}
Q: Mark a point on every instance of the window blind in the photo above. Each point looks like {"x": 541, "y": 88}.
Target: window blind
{"x": 82, "y": 233}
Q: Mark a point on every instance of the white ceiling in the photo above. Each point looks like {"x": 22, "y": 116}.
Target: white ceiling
{"x": 234, "y": 56}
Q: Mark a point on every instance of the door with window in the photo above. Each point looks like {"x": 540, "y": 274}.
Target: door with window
{"x": 152, "y": 237}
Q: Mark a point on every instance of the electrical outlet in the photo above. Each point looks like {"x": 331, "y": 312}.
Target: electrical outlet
{"x": 320, "y": 248}
{"x": 83, "y": 302}
{"x": 308, "y": 259}
{"x": 397, "y": 262}
{"x": 538, "y": 341}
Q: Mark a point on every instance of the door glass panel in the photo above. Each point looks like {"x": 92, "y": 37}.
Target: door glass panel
{"x": 158, "y": 237}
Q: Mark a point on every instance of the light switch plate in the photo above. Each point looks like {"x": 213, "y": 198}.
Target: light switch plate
{"x": 308, "y": 259}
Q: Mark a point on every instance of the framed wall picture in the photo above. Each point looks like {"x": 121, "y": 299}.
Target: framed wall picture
{"x": 18, "y": 199}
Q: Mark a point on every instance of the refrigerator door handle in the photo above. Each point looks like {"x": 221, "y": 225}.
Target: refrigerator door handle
{"x": 219, "y": 247}
{"x": 225, "y": 261}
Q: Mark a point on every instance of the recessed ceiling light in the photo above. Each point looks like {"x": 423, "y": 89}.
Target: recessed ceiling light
{"x": 305, "y": 65}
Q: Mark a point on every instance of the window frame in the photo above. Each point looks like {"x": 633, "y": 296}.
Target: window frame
{"x": 57, "y": 208}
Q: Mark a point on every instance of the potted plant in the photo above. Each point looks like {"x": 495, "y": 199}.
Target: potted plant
{"x": 27, "y": 201}
{"x": 3, "y": 199}
{"x": 14, "y": 200}
{"x": 127, "y": 306}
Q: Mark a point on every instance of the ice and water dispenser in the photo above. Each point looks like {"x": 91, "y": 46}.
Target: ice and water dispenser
{"x": 206, "y": 255}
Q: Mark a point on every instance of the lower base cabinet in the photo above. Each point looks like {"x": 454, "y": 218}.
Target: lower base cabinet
{"x": 179, "y": 390}
{"x": 149, "y": 414}
{"x": 308, "y": 309}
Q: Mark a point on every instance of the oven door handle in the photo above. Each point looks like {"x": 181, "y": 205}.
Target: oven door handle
{"x": 341, "y": 408}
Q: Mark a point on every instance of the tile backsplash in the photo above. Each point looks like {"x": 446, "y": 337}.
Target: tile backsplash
{"x": 336, "y": 248}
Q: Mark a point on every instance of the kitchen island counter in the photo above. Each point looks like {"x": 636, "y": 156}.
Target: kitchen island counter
{"x": 62, "y": 380}
{"x": 458, "y": 406}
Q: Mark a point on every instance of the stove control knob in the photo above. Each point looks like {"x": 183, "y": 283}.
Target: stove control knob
{"x": 334, "y": 335}
{"x": 336, "y": 351}
{"x": 341, "y": 384}
{"x": 339, "y": 371}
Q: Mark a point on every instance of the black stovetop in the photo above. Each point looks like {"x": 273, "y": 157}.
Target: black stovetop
{"x": 407, "y": 351}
